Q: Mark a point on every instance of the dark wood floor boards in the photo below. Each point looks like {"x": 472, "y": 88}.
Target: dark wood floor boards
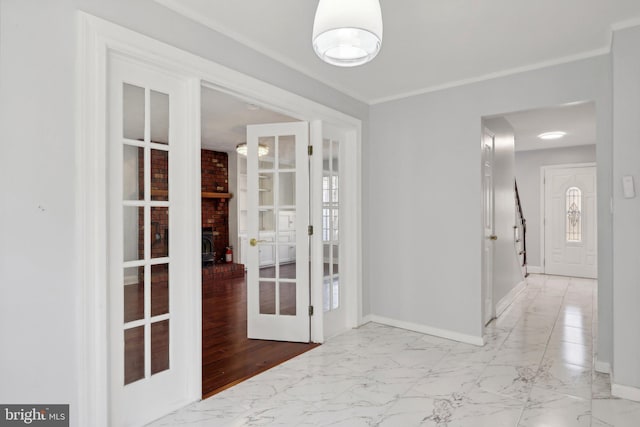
{"x": 228, "y": 356}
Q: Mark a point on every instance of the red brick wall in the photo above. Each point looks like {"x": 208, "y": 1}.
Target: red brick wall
{"x": 215, "y": 212}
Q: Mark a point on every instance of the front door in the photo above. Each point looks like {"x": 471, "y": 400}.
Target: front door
{"x": 277, "y": 225}
{"x": 570, "y": 221}
{"x": 148, "y": 232}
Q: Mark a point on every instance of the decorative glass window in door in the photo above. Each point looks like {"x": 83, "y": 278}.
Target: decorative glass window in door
{"x": 330, "y": 224}
{"x": 574, "y": 215}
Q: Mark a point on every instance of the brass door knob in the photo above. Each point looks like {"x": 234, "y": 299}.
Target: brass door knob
{"x": 493, "y": 237}
{"x": 254, "y": 242}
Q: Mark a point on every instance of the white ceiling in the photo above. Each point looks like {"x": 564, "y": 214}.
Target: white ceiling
{"x": 428, "y": 44}
{"x": 225, "y": 119}
{"x": 578, "y": 121}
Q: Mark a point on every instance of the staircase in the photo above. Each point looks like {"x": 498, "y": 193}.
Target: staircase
{"x": 520, "y": 232}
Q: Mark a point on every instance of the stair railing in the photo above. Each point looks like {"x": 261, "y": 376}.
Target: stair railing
{"x": 521, "y": 235}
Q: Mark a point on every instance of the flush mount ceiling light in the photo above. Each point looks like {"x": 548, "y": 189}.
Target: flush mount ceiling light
{"x": 241, "y": 148}
{"x": 347, "y": 33}
{"x": 552, "y": 135}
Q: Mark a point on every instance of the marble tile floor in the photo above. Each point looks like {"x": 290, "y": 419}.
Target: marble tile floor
{"x": 536, "y": 369}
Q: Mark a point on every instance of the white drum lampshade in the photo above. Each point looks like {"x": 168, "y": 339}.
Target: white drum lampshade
{"x": 347, "y": 33}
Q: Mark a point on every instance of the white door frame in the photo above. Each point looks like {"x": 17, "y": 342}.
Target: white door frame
{"x": 96, "y": 40}
{"x": 543, "y": 225}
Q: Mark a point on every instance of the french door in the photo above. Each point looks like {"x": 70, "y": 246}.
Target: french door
{"x": 148, "y": 227}
{"x": 570, "y": 231}
{"x": 277, "y": 226}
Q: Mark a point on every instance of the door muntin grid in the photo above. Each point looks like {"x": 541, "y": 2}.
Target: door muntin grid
{"x": 145, "y": 146}
{"x": 277, "y": 286}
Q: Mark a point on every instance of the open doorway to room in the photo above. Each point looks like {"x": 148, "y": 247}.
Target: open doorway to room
{"x": 539, "y": 193}
{"x": 228, "y": 355}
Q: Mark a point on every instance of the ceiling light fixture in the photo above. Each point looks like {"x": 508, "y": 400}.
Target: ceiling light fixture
{"x": 552, "y": 135}
{"x": 347, "y": 33}
{"x": 241, "y": 148}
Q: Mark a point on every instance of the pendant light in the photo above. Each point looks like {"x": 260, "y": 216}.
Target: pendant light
{"x": 347, "y": 33}
{"x": 242, "y": 149}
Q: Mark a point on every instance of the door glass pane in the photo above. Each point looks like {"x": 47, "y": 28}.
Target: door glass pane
{"x": 326, "y": 155}
{"x": 159, "y": 175}
{"x": 287, "y": 189}
{"x": 335, "y": 216}
{"x": 267, "y": 145}
{"x": 335, "y": 156}
{"x": 159, "y": 106}
{"x": 267, "y": 297}
{"x": 133, "y": 354}
{"x": 133, "y": 173}
{"x": 265, "y": 189}
{"x": 266, "y": 220}
{"x": 133, "y": 112}
{"x": 287, "y": 261}
{"x": 287, "y": 298}
{"x": 335, "y": 279}
{"x": 326, "y": 292}
{"x": 159, "y": 289}
{"x": 133, "y": 293}
{"x": 159, "y": 346}
{"x": 159, "y": 233}
{"x": 133, "y": 229}
{"x": 267, "y": 272}
{"x": 287, "y": 152}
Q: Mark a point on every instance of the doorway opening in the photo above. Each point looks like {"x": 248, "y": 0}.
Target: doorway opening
{"x": 228, "y": 355}
{"x": 544, "y": 194}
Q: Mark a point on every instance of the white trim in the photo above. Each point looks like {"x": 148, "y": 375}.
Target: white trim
{"x": 366, "y": 319}
{"x": 95, "y": 39}
{"x": 543, "y": 224}
{"x": 534, "y": 269}
{"x": 625, "y": 392}
{"x": 495, "y": 75}
{"x": 429, "y": 330}
{"x": 602, "y": 367}
{"x": 510, "y": 297}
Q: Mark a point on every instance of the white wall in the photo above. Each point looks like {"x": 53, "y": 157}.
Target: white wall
{"x": 506, "y": 264}
{"x": 528, "y": 164}
{"x": 423, "y": 190}
{"x": 626, "y": 161}
{"x": 40, "y": 358}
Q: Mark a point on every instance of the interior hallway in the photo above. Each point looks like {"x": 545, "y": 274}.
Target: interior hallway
{"x": 535, "y": 370}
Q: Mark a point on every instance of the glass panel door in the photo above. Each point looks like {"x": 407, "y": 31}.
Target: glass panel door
{"x": 277, "y": 220}
{"x": 146, "y": 240}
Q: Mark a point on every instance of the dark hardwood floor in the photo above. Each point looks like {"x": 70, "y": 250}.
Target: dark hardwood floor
{"x": 228, "y": 356}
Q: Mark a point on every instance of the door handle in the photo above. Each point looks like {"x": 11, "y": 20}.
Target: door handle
{"x": 493, "y": 237}
{"x": 254, "y": 242}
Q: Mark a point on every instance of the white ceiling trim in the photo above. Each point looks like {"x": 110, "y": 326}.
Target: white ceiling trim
{"x": 504, "y": 73}
{"x": 177, "y": 7}
{"x": 234, "y": 35}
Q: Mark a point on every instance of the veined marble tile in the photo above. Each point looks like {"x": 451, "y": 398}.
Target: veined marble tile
{"x": 564, "y": 378}
{"x": 535, "y": 370}
{"x": 546, "y": 408}
{"x": 616, "y": 412}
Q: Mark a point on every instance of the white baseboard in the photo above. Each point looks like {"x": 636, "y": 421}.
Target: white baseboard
{"x": 625, "y": 392}
{"x": 442, "y": 333}
{"x": 534, "y": 269}
{"x": 366, "y": 319}
{"x": 510, "y": 297}
{"x": 602, "y": 367}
